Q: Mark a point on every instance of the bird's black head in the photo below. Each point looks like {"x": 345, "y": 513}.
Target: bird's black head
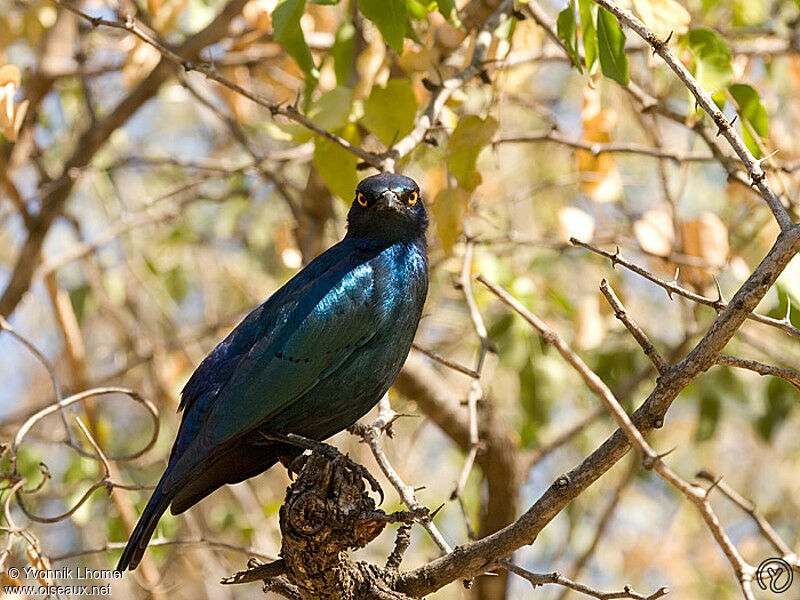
{"x": 387, "y": 207}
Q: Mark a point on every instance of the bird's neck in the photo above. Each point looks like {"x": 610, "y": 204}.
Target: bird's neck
{"x": 380, "y": 240}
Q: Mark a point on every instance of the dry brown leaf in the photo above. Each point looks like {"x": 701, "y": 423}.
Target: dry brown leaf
{"x": 574, "y": 222}
{"x": 368, "y": 66}
{"x": 705, "y": 238}
{"x": 240, "y": 106}
{"x": 40, "y": 563}
{"x": 141, "y": 59}
{"x": 655, "y": 233}
{"x": 600, "y": 179}
{"x": 258, "y": 14}
{"x": 153, "y": 6}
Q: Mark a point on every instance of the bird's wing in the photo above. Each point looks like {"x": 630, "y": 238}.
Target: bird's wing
{"x": 297, "y": 339}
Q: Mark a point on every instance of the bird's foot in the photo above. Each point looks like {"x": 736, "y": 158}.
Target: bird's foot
{"x": 326, "y": 450}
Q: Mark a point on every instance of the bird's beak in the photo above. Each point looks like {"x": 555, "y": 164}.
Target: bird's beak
{"x": 389, "y": 201}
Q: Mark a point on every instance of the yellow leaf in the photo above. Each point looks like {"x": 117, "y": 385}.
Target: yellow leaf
{"x": 11, "y": 115}
{"x": 449, "y": 208}
{"x": 10, "y": 74}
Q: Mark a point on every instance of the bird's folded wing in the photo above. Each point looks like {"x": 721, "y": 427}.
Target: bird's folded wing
{"x": 306, "y": 344}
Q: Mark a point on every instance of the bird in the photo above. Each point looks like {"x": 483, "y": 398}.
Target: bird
{"x": 311, "y": 360}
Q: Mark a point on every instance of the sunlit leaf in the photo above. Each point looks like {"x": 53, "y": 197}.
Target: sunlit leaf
{"x": 336, "y": 165}
{"x": 752, "y": 111}
{"x": 655, "y": 232}
{"x": 471, "y": 135}
{"x": 588, "y": 13}
{"x": 390, "y": 110}
{"x": 568, "y": 33}
{"x": 287, "y": 31}
{"x": 611, "y": 45}
{"x": 600, "y": 178}
{"x": 449, "y": 11}
{"x": 332, "y": 109}
{"x": 664, "y": 17}
{"x": 343, "y": 52}
{"x": 712, "y": 61}
{"x": 390, "y": 17}
{"x": 575, "y": 223}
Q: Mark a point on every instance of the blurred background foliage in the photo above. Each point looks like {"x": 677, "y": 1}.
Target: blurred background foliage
{"x": 199, "y": 205}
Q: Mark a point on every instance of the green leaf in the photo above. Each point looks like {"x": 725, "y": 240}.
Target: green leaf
{"x": 416, "y": 10}
{"x": 712, "y": 61}
{"x": 709, "y": 412}
{"x": 567, "y": 29}
{"x": 611, "y": 43}
{"x": 588, "y": 13}
{"x": 332, "y": 109}
{"x": 780, "y": 402}
{"x": 343, "y": 51}
{"x": 471, "y": 135}
{"x": 389, "y": 17}
{"x": 79, "y": 298}
{"x": 389, "y": 111}
{"x": 506, "y": 29}
{"x": 449, "y": 208}
{"x": 753, "y": 112}
{"x": 449, "y": 11}
{"x": 337, "y": 166}
{"x": 287, "y": 32}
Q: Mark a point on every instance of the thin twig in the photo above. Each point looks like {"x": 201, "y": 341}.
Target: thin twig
{"x": 671, "y": 287}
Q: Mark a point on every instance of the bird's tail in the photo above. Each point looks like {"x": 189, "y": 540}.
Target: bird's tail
{"x": 144, "y": 529}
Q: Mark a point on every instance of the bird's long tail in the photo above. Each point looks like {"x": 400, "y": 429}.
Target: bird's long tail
{"x": 144, "y": 529}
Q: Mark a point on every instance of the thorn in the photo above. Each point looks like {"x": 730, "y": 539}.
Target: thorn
{"x": 436, "y": 512}
{"x": 736, "y": 116}
{"x": 615, "y": 258}
{"x": 419, "y": 489}
{"x": 788, "y": 317}
{"x": 667, "y": 453}
{"x": 767, "y": 157}
{"x": 429, "y": 85}
{"x": 720, "y": 297}
{"x": 674, "y": 282}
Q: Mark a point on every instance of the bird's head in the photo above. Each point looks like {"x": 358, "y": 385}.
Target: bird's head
{"x": 387, "y": 207}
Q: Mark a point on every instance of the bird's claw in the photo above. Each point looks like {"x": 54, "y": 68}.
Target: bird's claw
{"x": 329, "y": 452}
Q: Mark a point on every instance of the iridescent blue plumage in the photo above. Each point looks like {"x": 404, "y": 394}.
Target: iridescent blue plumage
{"x": 311, "y": 360}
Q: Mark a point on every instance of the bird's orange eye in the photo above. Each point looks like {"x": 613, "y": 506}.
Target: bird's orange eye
{"x": 412, "y": 199}
{"x": 361, "y": 200}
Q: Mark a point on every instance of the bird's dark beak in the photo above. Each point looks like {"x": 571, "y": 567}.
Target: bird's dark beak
{"x": 389, "y": 200}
